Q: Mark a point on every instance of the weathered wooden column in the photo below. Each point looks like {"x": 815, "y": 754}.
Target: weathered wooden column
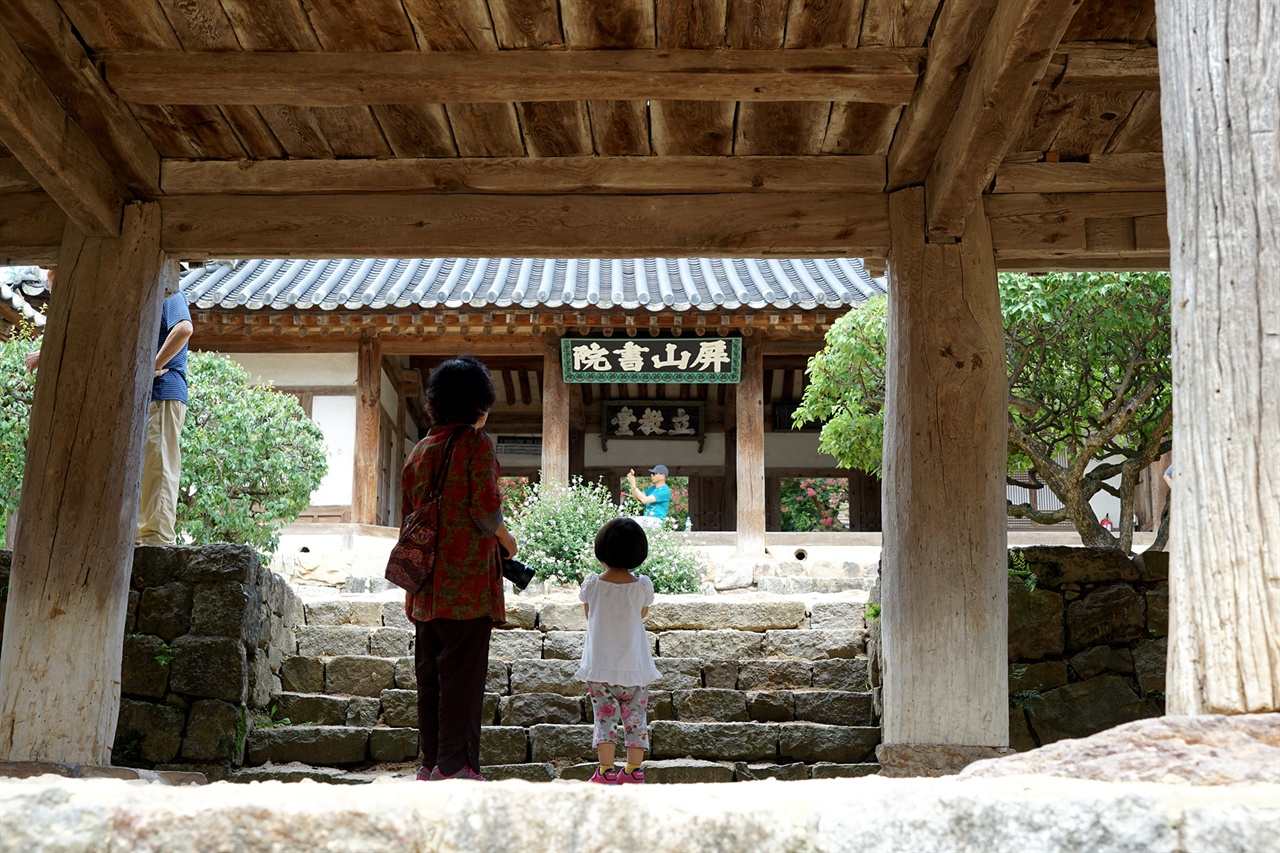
{"x": 364, "y": 482}
{"x": 69, "y": 587}
{"x": 577, "y": 432}
{"x": 1224, "y": 225}
{"x": 944, "y": 575}
{"x": 749, "y": 405}
{"x": 555, "y": 418}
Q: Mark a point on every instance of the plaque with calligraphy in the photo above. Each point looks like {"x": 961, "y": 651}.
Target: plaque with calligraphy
{"x": 652, "y": 419}
{"x": 696, "y": 361}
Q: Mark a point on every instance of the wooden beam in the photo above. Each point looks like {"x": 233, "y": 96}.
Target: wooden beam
{"x": 69, "y": 584}
{"x": 1014, "y": 54}
{"x": 1102, "y": 173}
{"x": 526, "y": 175}
{"x": 14, "y": 178}
{"x": 879, "y": 75}
{"x": 364, "y": 485}
{"x": 54, "y": 149}
{"x": 723, "y": 225}
{"x": 1082, "y": 67}
{"x": 31, "y": 226}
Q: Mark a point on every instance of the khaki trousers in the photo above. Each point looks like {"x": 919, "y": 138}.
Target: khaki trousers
{"x": 161, "y": 468}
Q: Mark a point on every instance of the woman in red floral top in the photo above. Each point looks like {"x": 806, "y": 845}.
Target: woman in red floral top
{"x": 458, "y": 608}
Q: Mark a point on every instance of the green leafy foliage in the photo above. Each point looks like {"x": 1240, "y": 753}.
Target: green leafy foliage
{"x": 1018, "y": 569}
{"x": 813, "y": 503}
{"x": 670, "y": 565}
{"x": 872, "y": 612}
{"x": 17, "y": 389}
{"x": 250, "y": 457}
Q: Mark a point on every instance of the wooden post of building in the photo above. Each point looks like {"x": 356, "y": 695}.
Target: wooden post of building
{"x": 69, "y": 585}
{"x": 750, "y": 460}
{"x": 944, "y": 577}
{"x": 555, "y": 418}
{"x": 577, "y": 432}
{"x": 364, "y": 482}
{"x": 1224, "y": 225}
{"x": 397, "y": 460}
{"x": 729, "y": 483}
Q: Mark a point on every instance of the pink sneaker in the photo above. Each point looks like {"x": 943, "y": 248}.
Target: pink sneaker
{"x": 636, "y": 778}
{"x": 465, "y": 773}
{"x": 425, "y": 775}
{"x": 604, "y": 777}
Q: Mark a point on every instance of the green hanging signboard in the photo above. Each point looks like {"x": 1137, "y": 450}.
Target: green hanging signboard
{"x": 692, "y": 361}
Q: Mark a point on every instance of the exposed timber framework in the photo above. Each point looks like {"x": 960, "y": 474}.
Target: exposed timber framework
{"x": 948, "y": 138}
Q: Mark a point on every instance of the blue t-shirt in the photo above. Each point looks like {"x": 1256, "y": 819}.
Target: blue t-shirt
{"x": 662, "y": 500}
{"x": 172, "y": 385}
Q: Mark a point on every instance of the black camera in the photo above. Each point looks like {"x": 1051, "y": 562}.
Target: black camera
{"x": 515, "y": 571}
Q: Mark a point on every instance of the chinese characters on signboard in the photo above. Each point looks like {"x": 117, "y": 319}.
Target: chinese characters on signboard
{"x": 652, "y": 419}
{"x": 684, "y": 360}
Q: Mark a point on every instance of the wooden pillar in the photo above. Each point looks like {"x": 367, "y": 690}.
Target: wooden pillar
{"x": 555, "y": 418}
{"x": 944, "y": 577}
{"x": 750, "y": 457}
{"x": 397, "y": 459}
{"x": 729, "y": 490}
{"x": 577, "y": 432}
{"x": 69, "y": 586}
{"x": 364, "y": 482}
{"x": 1217, "y": 62}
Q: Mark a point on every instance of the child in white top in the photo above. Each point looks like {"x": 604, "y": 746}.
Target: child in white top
{"x": 616, "y": 663}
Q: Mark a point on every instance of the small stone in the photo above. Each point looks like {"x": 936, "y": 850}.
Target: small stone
{"x": 330, "y": 746}
{"x": 810, "y": 742}
{"x": 710, "y": 706}
{"x": 835, "y": 707}
{"x": 1035, "y": 623}
{"x": 407, "y": 675}
{"x": 391, "y": 642}
{"x": 147, "y": 731}
{"x": 153, "y": 566}
{"x": 685, "y": 771}
{"x": 530, "y": 709}
{"x": 362, "y": 711}
{"x": 527, "y": 772}
{"x": 503, "y": 745}
{"x": 225, "y": 609}
{"x": 841, "y": 675}
{"x": 514, "y": 644}
{"x": 1109, "y": 614}
{"x": 846, "y": 615}
{"x": 813, "y": 644}
{"x": 310, "y": 709}
{"x": 302, "y": 675}
{"x": 772, "y": 706}
{"x": 212, "y": 563}
{"x": 211, "y": 733}
{"x": 722, "y": 741}
{"x": 520, "y": 614}
{"x": 393, "y": 745}
{"x": 489, "y": 709}
{"x": 400, "y": 708}
{"x": 333, "y": 640}
{"x": 165, "y": 611}
{"x": 710, "y": 645}
{"x": 358, "y": 675}
{"x": 498, "y": 678}
{"x": 823, "y": 770}
{"x": 209, "y": 667}
{"x": 720, "y": 674}
{"x": 564, "y": 645}
{"x": 744, "y": 772}
{"x": 393, "y": 615}
{"x": 562, "y": 616}
{"x": 767, "y": 675}
{"x": 144, "y": 667}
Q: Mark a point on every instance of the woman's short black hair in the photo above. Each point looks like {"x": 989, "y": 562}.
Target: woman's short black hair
{"x": 621, "y": 544}
{"x": 459, "y": 391}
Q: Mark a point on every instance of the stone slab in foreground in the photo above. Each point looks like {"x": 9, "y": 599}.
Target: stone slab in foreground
{"x": 827, "y": 816}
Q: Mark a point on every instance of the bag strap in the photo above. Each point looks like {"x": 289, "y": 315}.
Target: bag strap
{"x": 443, "y": 471}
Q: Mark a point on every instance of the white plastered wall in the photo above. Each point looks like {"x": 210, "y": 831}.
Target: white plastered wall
{"x": 298, "y": 369}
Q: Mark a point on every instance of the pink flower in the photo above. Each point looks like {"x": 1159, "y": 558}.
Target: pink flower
{"x": 826, "y": 522}
{"x": 799, "y": 498}
{"x": 810, "y": 492}
{"x": 608, "y": 710}
{"x": 644, "y": 702}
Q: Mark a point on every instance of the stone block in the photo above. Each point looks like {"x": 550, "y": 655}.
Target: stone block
{"x": 130, "y": 612}
{"x": 719, "y": 741}
{"x": 153, "y": 566}
{"x": 516, "y": 643}
{"x": 407, "y": 675}
{"x": 564, "y": 645}
{"x": 773, "y": 674}
{"x": 209, "y": 667}
{"x": 393, "y": 746}
{"x": 677, "y": 674}
{"x": 310, "y": 709}
{"x": 824, "y": 770}
{"x": 520, "y": 614}
{"x": 213, "y": 563}
{"x": 841, "y": 674}
{"x": 393, "y": 615}
{"x": 562, "y": 616}
{"x": 1035, "y": 623}
{"x": 347, "y": 611}
{"x": 1055, "y": 565}
{"x": 530, "y": 709}
{"x": 720, "y": 674}
{"x": 552, "y": 742}
{"x": 834, "y": 707}
{"x": 333, "y": 640}
{"x": 1099, "y": 659}
{"x": 326, "y": 746}
{"x": 582, "y": 772}
{"x": 676, "y": 613}
{"x": 503, "y": 745}
{"x": 1083, "y": 708}
{"x": 810, "y": 742}
{"x": 685, "y": 771}
{"x": 527, "y": 772}
{"x": 712, "y": 645}
{"x": 144, "y": 667}
{"x": 1110, "y": 614}
{"x": 359, "y": 675}
{"x": 362, "y": 711}
{"x": 150, "y": 732}
{"x": 1152, "y": 565}
{"x": 544, "y": 676}
{"x": 710, "y": 706}
{"x": 302, "y": 675}
{"x": 1020, "y": 737}
{"x": 772, "y": 706}
{"x": 745, "y": 772}
{"x": 391, "y": 642}
{"x": 1158, "y": 610}
{"x": 841, "y": 615}
{"x": 498, "y": 677}
{"x": 400, "y": 707}
{"x": 814, "y": 644}
{"x": 165, "y": 610}
{"x": 261, "y": 682}
{"x": 661, "y": 706}
{"x": 1149, "y": 659}
{"x": 211, "y": 732}
{"x": 489, "y": 709}
{"x": 225, "y": 609}
{"x": 1037, "y": 676}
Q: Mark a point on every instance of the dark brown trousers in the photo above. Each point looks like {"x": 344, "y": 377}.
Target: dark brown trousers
{"x": 451, "y": 658}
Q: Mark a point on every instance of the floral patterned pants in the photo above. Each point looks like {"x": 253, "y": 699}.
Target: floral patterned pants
{"x": 617, "y": 705}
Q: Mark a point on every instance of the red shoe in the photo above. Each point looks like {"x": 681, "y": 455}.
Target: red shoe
{"x": 636, "y": 778}
{"x": 604, "y": 776}
{"x": 425, "y": 775}
{"x": 465, "y": 773}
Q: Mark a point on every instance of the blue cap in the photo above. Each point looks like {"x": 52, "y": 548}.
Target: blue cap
{"x": 659, "y": 469}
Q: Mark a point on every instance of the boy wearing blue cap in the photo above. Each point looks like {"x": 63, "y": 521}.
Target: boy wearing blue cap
{"x": 656, "y": 498}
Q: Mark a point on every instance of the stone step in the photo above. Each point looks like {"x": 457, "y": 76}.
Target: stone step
{"x": 551, "y": 743}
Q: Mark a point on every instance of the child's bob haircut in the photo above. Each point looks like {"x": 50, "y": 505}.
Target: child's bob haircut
{"x": 621, "y": 544}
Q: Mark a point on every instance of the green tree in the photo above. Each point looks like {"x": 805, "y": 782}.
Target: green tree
{"x": 1089, "y": 382}
{"x": 17, "y": 389}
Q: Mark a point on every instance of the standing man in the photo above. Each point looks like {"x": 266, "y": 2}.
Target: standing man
{"x": 162, "y": 461}
{"x": 656, "y": 498}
